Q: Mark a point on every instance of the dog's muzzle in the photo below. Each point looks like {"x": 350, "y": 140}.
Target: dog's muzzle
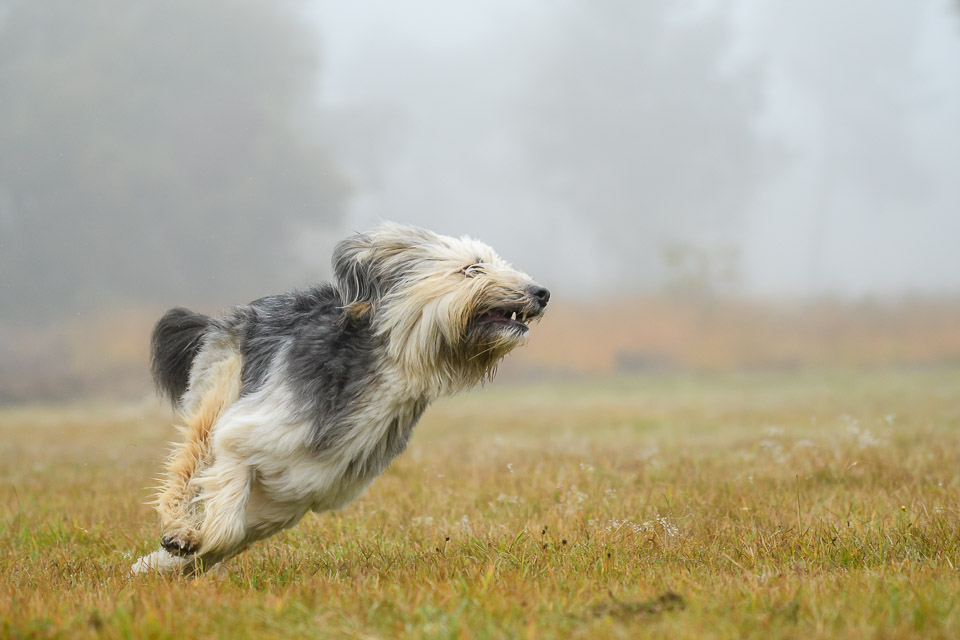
{"x": 516, "y": 316}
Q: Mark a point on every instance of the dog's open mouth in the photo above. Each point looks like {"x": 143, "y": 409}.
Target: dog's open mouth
{"x": 507, "y": 317}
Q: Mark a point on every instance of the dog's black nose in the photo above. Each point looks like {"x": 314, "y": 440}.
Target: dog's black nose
{"x": 542, "y": 294}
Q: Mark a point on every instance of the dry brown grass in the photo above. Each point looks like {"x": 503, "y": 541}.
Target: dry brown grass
{"x": 796, "y": 505}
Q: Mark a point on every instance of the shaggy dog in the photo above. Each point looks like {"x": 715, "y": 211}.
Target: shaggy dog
{"x": 297, "y": 402}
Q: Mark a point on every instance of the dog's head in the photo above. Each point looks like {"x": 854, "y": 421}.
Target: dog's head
{"x": 448, "y": 308}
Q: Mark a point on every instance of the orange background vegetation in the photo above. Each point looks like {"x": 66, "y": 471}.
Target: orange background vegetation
{"x": 669, "y": 334}
{"x": 105, "y": 355}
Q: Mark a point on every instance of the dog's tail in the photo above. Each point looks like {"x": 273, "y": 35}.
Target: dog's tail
{"x": 175, "y": 343}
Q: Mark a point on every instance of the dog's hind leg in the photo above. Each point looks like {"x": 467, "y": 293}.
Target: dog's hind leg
{"x": 215, "y": 385}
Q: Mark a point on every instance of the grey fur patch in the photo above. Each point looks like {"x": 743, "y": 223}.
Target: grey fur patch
{"x": 323, "y": 354}
{"x": 372, "y": 463}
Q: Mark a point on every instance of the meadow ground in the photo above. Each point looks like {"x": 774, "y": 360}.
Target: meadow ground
{"x": 799, "y": 505}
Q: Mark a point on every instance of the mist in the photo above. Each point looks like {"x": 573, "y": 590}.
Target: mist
{"x": 809, "y": 148}
{"x": 772, "y": 153}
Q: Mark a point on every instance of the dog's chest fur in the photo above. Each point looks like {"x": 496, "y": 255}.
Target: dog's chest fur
{"x": 321, "y": 416}
{"x": 294, "y": 468}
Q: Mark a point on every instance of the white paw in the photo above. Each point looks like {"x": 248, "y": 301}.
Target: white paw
{"x": 160, "y": 561}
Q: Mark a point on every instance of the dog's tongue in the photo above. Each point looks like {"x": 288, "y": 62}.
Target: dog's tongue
{"x": 498, "y": 317}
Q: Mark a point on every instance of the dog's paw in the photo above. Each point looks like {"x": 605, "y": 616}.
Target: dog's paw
{"x": 180, "y": 545}
{"x": 160, "y": 561}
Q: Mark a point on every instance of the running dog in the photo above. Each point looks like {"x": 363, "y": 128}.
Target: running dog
{"x": 297, "y": 402}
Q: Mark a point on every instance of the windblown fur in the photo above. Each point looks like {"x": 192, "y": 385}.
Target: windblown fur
{"x": 298, "y": 401}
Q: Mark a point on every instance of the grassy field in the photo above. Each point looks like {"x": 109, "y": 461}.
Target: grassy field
{"x": 794, "y": 505}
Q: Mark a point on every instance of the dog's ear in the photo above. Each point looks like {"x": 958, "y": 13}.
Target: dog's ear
{"x": 367, "y": 265}
{"x": 353, "y": 272}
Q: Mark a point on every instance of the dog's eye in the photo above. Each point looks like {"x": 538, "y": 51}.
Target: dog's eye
{"x": 473, "y": 270}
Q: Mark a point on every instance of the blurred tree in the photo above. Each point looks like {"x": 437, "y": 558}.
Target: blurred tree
{"x": 700, "y": 273}
{"x": 641, "y": 121}
{"x": 154, "y": 150}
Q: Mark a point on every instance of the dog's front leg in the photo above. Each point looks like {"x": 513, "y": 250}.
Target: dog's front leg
{"x": 215, "y": 524}
{"x": 215, "y": 387}
{"x": 178, "y": 501}
{"x": 225, "y": 486}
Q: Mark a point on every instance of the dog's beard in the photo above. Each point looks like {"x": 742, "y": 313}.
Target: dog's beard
{"x": 496, "y": 337}
{"x": 493, "y": 334}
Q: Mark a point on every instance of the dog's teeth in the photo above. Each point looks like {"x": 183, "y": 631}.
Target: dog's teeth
{"x": 514, "y": 316}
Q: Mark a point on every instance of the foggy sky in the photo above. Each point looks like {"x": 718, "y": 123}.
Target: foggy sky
{"x": 863, "y": 205}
